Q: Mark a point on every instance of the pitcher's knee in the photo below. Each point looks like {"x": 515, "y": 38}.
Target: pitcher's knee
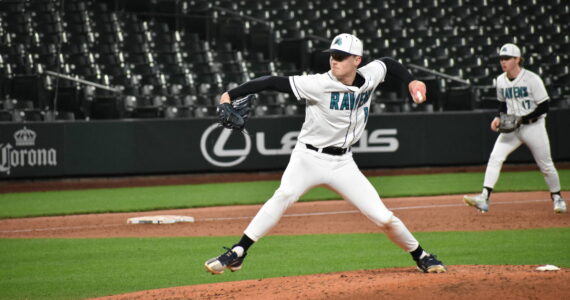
{"x": 382, "y": 219}
{"x": 547, "y": 168}
{"x": 496, "y": 161}
{"x": 284, "y": 196}
{"x": 549, "y": 172}
{"x": 278, "y": 203}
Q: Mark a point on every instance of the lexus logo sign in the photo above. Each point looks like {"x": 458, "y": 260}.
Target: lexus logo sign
{"x": 225, "y": 154}
{"x": 221, "y": 156}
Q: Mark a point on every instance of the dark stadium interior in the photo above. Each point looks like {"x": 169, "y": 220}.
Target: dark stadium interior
{"x": 173, "y": 58}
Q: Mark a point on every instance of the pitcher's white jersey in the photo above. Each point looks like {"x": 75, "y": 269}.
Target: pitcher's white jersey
{"x": 523, "y": 93}
{"x": 336, "y": 114}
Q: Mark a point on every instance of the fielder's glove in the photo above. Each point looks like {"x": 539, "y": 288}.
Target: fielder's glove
{"x": 508, "y": 123}
{"x": 235, "y": 115}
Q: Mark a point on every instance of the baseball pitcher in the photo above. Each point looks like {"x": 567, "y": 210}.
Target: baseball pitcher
{"x": 337, "y": 109}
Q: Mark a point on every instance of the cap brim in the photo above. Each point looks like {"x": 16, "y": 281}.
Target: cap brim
{"x": 336, "y": 51}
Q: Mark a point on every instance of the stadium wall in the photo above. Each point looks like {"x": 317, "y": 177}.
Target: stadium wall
{"x": 139, "y": 147}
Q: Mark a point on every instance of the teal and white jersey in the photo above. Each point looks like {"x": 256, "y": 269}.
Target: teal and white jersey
{"x": 336, "y": 114}
{"x": 523, "y": 93}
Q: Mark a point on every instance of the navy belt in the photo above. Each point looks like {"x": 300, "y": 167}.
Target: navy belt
{"x": 530, "y": 121}
{"x": 329, "y": 150}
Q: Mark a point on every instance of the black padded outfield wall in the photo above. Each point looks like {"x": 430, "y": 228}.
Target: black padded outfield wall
{"x": 138, "y": 147}
{"x": 28, "y": 150}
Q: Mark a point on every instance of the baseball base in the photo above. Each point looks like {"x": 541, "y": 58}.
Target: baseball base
{"x": 163, "y": 219}
{"x": 548, "y": 268}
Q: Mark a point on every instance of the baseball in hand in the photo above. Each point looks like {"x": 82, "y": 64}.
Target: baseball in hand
{"x": 417, "y": 91}
{"x": 419, "y": 97}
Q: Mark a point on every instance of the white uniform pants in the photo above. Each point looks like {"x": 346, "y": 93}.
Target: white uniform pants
{"x": 307, "y": 169}
{"x": 536, "y": 138}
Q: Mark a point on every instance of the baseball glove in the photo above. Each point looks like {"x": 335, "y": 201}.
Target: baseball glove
{"x": 509, "y": 123}
{"x": 235, "y": 115}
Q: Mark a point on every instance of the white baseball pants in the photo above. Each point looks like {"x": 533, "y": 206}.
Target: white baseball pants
{"x": 536, "y": 138}
{"x": 308, "y": 169}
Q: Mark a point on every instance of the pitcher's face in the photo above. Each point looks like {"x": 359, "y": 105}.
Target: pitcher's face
{"x": 344, "y": 65}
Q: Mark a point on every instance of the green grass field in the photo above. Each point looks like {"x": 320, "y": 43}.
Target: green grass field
{"x": 200, "y": 195}
{"x": 81, "y": 268}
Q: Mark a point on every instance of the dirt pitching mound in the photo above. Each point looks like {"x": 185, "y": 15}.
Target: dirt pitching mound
{"x": 461, "y": 282}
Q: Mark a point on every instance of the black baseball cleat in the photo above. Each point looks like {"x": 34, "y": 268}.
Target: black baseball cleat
{"x": 229, "y": 260}
{"x": 430, "y": 264}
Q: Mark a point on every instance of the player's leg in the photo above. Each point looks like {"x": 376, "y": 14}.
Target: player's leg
{"x": 505, "y": 144}
{"x": 535, "y": 137}
{"x": 349, "y": 182}
{"x": 302, "y": 172}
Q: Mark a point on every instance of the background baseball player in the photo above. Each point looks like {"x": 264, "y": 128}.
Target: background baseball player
{"x": 337, "y": 107}
{"x": 521, "y": 93}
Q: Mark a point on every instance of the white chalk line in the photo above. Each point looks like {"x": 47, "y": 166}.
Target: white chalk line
{"x": 59, "y": 228}
{"x": 342, "y": 212}
{"x": 357, "y": 211}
